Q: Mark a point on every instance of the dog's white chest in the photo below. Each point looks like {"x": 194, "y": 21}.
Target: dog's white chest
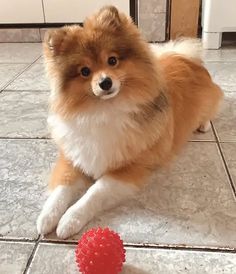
{"x": 94, "y": 146}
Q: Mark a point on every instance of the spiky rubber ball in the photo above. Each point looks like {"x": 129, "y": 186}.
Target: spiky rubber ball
{"x": 100, "y": 251}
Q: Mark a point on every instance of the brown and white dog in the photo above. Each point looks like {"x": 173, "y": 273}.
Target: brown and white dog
{"x": 119, "y": 109}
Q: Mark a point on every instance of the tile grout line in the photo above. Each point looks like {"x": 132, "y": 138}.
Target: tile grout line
{"x": 182, "y": 248}
{"x": 48, "y": 138}
{"x": 218, "y": 61}
{"x": 25, "y": 138}
{"x": 224, "y": 162}
{"x": 202, "y": 141}
{"x": 15, "y": 77}
{"x": 130, "y": 245}
{"x": 25, "y": 90}
{"x": 155, "y": 246}
{"x": 18, "y": 74}
{"x": 15, "y": 63}
{"x": 31, "y": 257}
{"x": 17, "y": 240}
{"x": 23, "y": 42}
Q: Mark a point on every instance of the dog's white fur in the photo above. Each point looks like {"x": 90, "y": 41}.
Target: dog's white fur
{"x": 104, "y": 194}
{"x": 89, "y": 139}
{"x": 188, "y": 47}
{"x": 57, "y": 203}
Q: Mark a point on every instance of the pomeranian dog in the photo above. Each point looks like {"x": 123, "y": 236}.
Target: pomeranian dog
{"x": 119, "y": 109}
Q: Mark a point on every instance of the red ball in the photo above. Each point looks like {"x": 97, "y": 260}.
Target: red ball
{"x": 100, "y": 251}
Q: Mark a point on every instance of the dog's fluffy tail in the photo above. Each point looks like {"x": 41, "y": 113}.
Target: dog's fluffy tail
{"x": 190, "y": 48}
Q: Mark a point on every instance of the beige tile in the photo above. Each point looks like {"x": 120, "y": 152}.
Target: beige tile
{"x": 224, "y": 74}
{"x": 229, "y": 150}
{"x": 220, "y": 55}
{"x": 153, "y": 26}
{"x": 190, "y": 204}
{"x": 40, "y": 60}
{"x": 14, "y": 257}
{"x": 225, "y": 124}
{"x": 46, "y": 262}
{"x": 154, "y": 261}
{"x": 138, "y": 261}
{"x": 19, "y": 52}
{"x": 43, "y": 31}
{"x": 19, "y": 35}
{"x": 25, "y": 165}
{"x": 24, "y": 114}
{"x": 9, "y": 71}
{"x": 32, "y": 79}
{"x": 152, "y": 19}
{"x": 154, "y": 6}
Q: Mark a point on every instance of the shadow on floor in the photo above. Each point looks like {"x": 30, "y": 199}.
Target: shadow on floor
{"x": 129, "y": 269}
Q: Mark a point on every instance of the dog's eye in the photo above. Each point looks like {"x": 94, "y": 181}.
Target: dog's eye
{"x": 112, "y": 61}
{"x": 85, "y": 71}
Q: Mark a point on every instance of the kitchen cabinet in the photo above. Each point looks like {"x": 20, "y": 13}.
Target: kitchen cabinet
{"x": 53, "y": 11}
{"x": 69, "y": 11}
{"x": 21, "y": 11}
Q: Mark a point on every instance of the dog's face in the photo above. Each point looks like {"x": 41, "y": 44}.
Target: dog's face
{"x": 107, "y": 77}
{"x": 105, "y": 59}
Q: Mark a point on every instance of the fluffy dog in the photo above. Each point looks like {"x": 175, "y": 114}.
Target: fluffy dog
{"x": 119, "y": 109}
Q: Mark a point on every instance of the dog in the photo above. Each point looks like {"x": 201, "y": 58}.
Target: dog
{"x": 119, "y": 109}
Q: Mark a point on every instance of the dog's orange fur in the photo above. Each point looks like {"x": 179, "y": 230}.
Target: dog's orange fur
{"x": 65, "y": 173}
{"x": 192, "y": 97}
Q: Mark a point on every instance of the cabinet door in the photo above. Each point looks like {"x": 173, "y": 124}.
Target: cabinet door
{"x": 69, "y": 11}
{"x": 21, "y": 11}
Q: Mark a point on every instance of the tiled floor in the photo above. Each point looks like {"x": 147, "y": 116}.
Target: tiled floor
{"x": 184, "y": 222}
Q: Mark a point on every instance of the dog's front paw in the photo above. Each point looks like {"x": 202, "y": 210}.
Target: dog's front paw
{"x": 47, "y": 222}
{"x": 204, "y": 127}
{"x": 69, "y": 224}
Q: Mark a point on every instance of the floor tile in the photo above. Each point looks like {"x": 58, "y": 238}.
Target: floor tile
{"x": 189, "y": 204}
{"x": 9, "y": 71}
{"x": 25, "y": 165}
{"x": 224, "y": 74}
{"x": 20, "y": 35}
{"x": 225, "y": 124}
{"x": 14, "y": 257}
{"x": 32, "y": 79}
{"x": 24, "y": 114}
{"x": 138, "y": 261}
{"x": 152, "y": 261}
{"x": 222, "y": 55}
{"x": 40, "y": 60}
{"x": 229, "y": 150}
{"x": 19, "y": 52}
{"x": 46, "y": 262}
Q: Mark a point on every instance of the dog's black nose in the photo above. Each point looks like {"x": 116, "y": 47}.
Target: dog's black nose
{"x": 106, "y": 83}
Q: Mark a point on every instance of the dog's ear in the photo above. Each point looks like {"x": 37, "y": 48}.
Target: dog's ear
{"x": 109, "y": 16}
{"x": 62, "y": 40}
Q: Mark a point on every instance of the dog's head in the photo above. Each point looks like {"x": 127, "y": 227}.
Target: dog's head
{"x": 105, "y": 59}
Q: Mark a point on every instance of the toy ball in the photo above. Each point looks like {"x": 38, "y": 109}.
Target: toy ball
{"x": 100, "y": 251}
